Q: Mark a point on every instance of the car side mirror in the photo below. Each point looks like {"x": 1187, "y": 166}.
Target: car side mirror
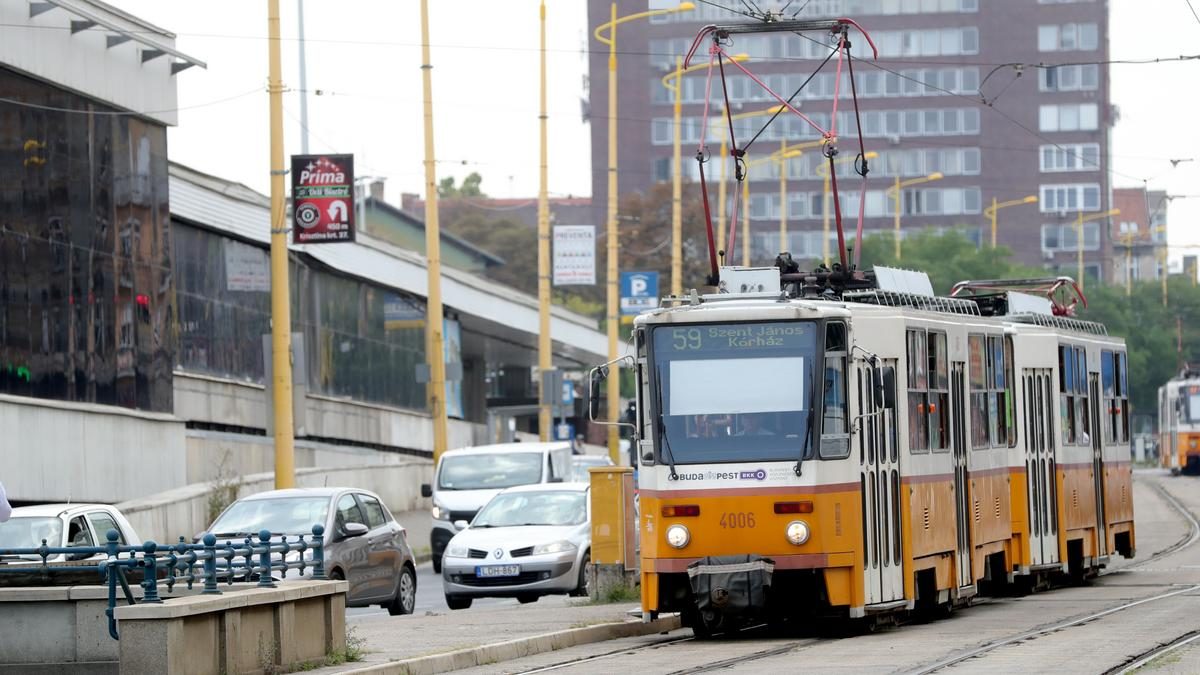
{"x": 426, "y": 490}
{"x": 354, "y": 530}
{"x": 461, "y": 524}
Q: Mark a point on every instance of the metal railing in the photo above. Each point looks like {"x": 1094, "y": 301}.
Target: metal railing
{"x": 207, "y": 562}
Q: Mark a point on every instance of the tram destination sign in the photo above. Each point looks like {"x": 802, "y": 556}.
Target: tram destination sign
{"x": 737, "y": 336}
{"x": 322, "y": 199}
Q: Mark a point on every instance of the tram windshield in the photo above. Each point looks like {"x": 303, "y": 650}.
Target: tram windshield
{"x": 1189, "y": 398}
{"x": 733, "y": 392}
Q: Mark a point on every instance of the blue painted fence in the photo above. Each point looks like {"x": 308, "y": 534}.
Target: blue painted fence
{"x": 209, "y": 563}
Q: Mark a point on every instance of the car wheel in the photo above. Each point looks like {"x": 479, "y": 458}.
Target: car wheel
{"x": 527, "y": 599}
{"x": 406, "y": 594}
{"x": 437, "y": 564}
{"x": 458, "y": 602}
{"x": 584, "y": 588}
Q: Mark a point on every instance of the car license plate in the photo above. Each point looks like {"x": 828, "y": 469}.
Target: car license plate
{"x": 488, "y": 571}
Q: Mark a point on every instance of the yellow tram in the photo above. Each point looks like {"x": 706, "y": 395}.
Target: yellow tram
{"x": 1179, "y": 422}
{"x": 813, "y": 449}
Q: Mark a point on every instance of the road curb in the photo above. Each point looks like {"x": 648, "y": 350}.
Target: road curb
{"x": 484, "y": 655}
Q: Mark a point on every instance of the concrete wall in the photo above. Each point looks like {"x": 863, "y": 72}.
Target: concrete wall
{"x": 56, "y": 451}
{"x": 166, "y": 516}
{"x": 56, "y": 629}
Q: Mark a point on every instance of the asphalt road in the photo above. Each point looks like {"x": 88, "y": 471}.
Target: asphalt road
{"x": 431, "y": 599}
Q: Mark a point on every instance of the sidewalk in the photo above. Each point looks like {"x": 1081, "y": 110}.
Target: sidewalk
{"x": 386, "y": 639}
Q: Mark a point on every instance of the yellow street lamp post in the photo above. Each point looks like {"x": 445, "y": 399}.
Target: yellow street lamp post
{"x": 1079, "y": 221}
{"x": 281, "y": 322}
{"x": 545, "y": 347}
{"x": 990, "y": 212}
{"x": 673, "y": 82}
{"x": 936, "y": 175}
{"x": 612, "y": 318}
{"x": 782, "y": 156}
{"x": 822, "y": 170}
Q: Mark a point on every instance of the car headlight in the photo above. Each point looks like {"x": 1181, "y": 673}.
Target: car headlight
{"x": 456, "y": 551}
{"x": 555, "y": 547}
{"x": 440, "y": 512}
{"x": 797, "y": 532}
{"x": 678, "y": 536}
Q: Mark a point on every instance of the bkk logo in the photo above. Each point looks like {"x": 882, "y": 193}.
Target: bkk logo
{"x": 757, "y": 474}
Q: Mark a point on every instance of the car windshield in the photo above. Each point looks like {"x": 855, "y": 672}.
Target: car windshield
{"x": 733, "y": 392}
{"x": 281, "y": 515}
{"x": 494, "y": 471}
{"x": 581, "y": 465}
{"x": 29, "y": 532}
{"x": 534, "y": 508}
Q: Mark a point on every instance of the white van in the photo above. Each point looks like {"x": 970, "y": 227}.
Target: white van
{"x": 466, "y": 479}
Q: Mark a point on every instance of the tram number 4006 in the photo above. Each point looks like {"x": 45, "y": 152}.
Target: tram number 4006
{"x": 737, "y": 520}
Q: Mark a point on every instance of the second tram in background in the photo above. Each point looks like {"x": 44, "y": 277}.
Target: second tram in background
{"x": 829, "y": 445}
{"x": 1179, "y": 422}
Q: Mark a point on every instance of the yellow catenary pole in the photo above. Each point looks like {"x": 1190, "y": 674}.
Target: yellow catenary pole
{"x": 281, "y": 311}
{"x": 897, "y": 206}
{"x": 434, "y": 338}
{"x": 783, "y": 162}
{"x": 993, "y": 212}
{"x": 545, "y": 355}
{"x": 614, "y": 383}
{"x": 677, "y": 187}
{"x": 1079, "y": 247}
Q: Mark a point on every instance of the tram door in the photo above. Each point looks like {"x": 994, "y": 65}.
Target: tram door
{"x": 880, "y": 484}
{"x": 1041, "y": 491}
{"x": 962, "y": 510}
{"x": 1098, "y": 464}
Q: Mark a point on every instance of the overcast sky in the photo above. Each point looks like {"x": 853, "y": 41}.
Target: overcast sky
{"x": 364, "y": 58}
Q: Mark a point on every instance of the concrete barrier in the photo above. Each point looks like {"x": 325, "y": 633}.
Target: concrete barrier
{"x": 251, "y": 630}
{"x": 56, "y": 630}
{"x": 185, "y": 511}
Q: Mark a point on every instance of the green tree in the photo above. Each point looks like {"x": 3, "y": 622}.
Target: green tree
{"x": 470, "y": 187}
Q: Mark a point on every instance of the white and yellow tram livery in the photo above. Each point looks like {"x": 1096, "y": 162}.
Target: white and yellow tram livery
{"x": 1179, "y": 422}
{"x": 808, "y": 452}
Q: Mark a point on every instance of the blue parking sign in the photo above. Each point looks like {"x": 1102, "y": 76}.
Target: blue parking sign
{"x": 639, "y": 292}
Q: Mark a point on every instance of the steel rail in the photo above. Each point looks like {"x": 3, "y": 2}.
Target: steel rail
{"x": 1186, "y": 541}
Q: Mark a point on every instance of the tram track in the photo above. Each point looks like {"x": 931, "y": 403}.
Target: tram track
{"x": 1192, "y": 536}
{"x": 1151, "y": 654}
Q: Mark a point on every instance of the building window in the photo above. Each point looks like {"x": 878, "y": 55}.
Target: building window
{"x": 1065, "y": 237}
{"x": 1068, "y": 117}
{"x": 1076, "y": 197}
{"x": 1068, "y": 37}
{"x": 1070, "y": 157}
{"x": 1085, "y": 77}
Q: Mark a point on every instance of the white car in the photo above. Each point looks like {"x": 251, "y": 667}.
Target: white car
{"x": 581, "y": 463}
{"x": 64, "y": 525}
{"x": 529, "y": 541}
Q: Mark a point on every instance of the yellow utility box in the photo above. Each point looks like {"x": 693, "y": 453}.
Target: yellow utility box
{"x": 614, "y": 519}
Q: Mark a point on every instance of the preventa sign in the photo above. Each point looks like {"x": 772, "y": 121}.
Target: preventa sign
{"x": 322, "y": 198}
{"x": 574, "y": 255}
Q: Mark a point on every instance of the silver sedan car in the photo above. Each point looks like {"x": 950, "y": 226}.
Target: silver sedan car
{"x": 364, "y": 545}
{"x": 529, "y": 541}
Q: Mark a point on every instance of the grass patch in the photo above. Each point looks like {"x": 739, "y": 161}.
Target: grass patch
{"x": 353, "y": 651}
{"x": 617, "y": 595}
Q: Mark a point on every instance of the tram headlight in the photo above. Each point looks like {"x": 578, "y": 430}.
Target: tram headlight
{"x": 678, "y": 536}
{"x": 797, "y": 532}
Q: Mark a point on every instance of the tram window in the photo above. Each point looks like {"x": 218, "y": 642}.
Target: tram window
{"x": 835, "y": 430}
{"x": 980, "y": 410}
{"x": 1108, "y": 374}
{"x": 1009, "y": 409}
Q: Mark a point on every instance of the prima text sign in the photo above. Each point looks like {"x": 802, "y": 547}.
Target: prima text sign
{"x": 322, "y": 199}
